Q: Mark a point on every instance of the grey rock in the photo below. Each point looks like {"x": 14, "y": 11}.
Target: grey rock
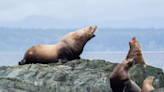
{"x": 74, "y": 76}
{"x": 158, "y": 90}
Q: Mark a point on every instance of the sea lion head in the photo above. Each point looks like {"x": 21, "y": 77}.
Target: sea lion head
{"x": 150, "y": 79}
{"x": 87, "y": 32}
{"x": 75, "y": 41}
{"x": 123, "y": 69}
{"x": 148, "y": 84}
{"x": 135, "y": 43}
{"x": 127, "y": 63}
{"x": 80, "y": 37}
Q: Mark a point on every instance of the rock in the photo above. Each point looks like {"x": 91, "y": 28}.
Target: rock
{"x": 139, "y": 72}
{"x": 158, "y": 90}
{"x": 74, "y": 76}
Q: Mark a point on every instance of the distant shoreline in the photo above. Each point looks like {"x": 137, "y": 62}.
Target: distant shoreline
{"x": 98, "y": 52}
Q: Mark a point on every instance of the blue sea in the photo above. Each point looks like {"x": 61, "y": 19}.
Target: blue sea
{"x": 155, "y": 59}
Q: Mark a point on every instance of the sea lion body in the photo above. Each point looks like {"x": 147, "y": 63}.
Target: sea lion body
{"x": 148, "y": 84}
{"x": 69, "y": 48}
{"x": 135, "y": 52}
{"x": 120, "y": 79}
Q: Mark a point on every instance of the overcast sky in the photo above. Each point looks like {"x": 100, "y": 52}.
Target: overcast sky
{"x": 90, "y": 10}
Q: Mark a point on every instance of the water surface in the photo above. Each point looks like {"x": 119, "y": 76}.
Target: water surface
{"x": 155, "y": 59}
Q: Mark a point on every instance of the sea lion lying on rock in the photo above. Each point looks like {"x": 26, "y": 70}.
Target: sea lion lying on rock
{"x": 148, "y": 84}
{"x": 69, "y": 48}
{"x": 135, "y": 52}
{"x": 120, "y": 79}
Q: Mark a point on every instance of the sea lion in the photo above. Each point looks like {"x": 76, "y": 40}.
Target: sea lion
{"x": 120, "y": 79}
{"x": 148, "y": 84}
{"x": 68, "y": 48}
{"x": 135, "y": 52}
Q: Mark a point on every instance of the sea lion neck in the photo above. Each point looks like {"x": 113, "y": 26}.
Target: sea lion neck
{"x": 73, "y": 42}
{"x": 136, "y": 54}
{"x": 123, "y": 72}
{"x": 135, "y": 50}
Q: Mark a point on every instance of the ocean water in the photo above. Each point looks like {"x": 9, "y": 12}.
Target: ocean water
{"x": 155, "y": 59}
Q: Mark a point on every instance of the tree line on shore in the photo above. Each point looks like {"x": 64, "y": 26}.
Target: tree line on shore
{"x": 18, "y": 40}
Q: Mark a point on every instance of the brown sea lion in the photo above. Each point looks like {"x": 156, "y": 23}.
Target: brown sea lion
{"x": 148, "y": 84}
{"x": 69, "y": 48}
{"x": 135, "y": 52}
{"x": 120, "y": 79}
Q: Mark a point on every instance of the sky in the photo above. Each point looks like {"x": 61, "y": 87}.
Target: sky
{"x": 78, "y": 13}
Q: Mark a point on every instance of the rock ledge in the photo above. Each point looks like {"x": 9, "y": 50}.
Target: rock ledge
{"x": 74, "y": 76}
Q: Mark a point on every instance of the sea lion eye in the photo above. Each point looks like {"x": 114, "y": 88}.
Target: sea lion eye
{"x": 90, "y": 27}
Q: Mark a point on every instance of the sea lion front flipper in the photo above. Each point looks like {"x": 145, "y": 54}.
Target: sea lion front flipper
{"x": 131, "y": 87}
{"x": 135, "y": 86}
{"x": 64, "y": 60}
{"x": 78, "y": 57}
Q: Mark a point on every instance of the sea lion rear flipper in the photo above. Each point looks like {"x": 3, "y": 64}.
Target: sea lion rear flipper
{"x": 146, "y": 64}
{"x": 22, "y": 62}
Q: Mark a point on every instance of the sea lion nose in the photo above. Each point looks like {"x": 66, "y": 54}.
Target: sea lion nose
{"x": 95, "y": 27}
{"x": 154, "y": 77}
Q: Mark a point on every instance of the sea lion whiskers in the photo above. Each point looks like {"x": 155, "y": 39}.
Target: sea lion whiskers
{"x": 91, "y": 31}
{"x": 94, "y": 29}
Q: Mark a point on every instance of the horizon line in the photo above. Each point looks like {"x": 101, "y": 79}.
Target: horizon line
{"x": 97, "y": 52}
{"x": 83, "y": 27}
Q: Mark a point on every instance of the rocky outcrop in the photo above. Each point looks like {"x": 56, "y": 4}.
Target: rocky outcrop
{"x": 158, "y": 90}
{"x": 74, "y": 76}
